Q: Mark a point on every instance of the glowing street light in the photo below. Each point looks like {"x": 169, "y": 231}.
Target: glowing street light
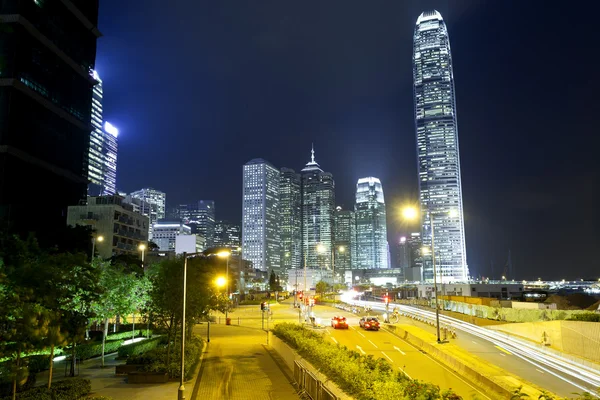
{"x": 142, "y": 248}
{"x": 226, "y": 254}
{"x": 221, "y": 281}
{"x": 94, "y": 239}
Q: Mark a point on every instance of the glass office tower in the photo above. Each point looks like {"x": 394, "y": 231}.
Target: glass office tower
{"x": 440, "y": 192}
{"x": 371, "y": 229}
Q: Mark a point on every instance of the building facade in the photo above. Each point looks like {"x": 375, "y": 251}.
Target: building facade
{"x": 371, "y": 225}
{"x": 228, "y": 235}
{"x": 121, "y": 228}
{"x": 48, "y": 51}
{"x": 344, "y": 239}
{"x": 157, "y": 201}
{"x": 260, "y": 215}
{"x": 110, "y": 158}
{"x": 165, "y": 234}
{"x": 200, "y": 217}
{"x": 440, "y": 191}
{"x": 290, "y": 223}
{"x": 318, "y": 209}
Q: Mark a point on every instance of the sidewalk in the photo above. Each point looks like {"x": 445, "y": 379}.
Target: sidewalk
{"x": 106, "y": 383}
{"x": 237, "y": 366}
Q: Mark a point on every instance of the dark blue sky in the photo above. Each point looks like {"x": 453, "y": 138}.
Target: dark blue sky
{"x": 198, "y": 88}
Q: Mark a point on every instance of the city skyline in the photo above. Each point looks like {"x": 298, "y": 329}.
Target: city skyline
{"x": 356, "y": 105}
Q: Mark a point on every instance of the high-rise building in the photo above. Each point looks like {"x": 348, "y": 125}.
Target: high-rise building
{"x": 410, "y": 260}
{"x": 49, "y": 49}
{"x": 260, "y": 215}
{"x": 110, "y": 158}
{"x": 318, "y": 208}
{"x": 440, "y": 191}
{"x": 345, "y": 239}
{"x": 227, "y": 235}
{"x": 371, "y": 228}
{"x": 157, "y": 201}
{"x": 200, "y": 217}
{"x": 290, "y": 223}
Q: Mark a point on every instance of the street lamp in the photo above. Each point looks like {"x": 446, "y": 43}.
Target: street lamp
{"x": 411, "y": 213}
{"x": 142, "y": 248}
{"x": 94, "y": 238}
{"x": 226, "y": 254}
{"x": 181, "y": 390}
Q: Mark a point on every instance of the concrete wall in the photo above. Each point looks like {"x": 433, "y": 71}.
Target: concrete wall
{"x": 574, "y": 337}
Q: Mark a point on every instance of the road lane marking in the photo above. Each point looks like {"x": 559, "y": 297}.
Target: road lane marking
{"x": 332, "y": 338}
{"x": 388, "y": 357}
{"x": 360, "y": 333}
{"x": 502, "y": 354}
{"x": 503, "y": 350}
{"x": 401, "y": 352}
{"x": 373, "y": 344}
{"x": 541, "y": 372}
{"x": 361, "y": 350}
{"x": 327, "y": 330}
{"x": 474, "y": 341}
{"x": 404, "y": 373}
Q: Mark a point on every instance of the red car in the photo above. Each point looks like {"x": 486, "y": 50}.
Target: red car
{"x": 339, "y": 323}
{"x": 369, "y": 323}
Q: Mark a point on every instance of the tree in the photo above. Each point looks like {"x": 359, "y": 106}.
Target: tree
{"x": 322, "y": 287}
{"x": 272, "y": 281}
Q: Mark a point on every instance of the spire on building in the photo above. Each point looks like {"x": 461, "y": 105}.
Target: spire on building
{"x": 312, "y": 165}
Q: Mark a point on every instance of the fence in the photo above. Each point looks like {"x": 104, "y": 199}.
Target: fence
{"x": 310, "y": 384}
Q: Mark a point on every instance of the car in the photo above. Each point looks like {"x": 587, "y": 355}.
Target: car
{"x": 339, "y": 322}
{"x": 369, "y": 323}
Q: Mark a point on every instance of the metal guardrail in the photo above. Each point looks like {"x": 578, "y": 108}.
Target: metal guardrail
{"x": 309, "y": 383}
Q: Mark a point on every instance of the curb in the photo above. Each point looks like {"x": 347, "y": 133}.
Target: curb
{"x": 198, "y": 373}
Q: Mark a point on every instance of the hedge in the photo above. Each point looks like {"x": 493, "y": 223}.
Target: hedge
{"x": 588, "y": 317}
{"x": 139, "y": 347}
{"x": 363, "y": 377}
{"x": 127, "y": 334}
{"x": 69, "y": 389}
{"x": 89, "y": 350}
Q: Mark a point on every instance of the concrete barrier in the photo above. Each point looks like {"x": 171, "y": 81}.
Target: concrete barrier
{"x": 317, "y": 385}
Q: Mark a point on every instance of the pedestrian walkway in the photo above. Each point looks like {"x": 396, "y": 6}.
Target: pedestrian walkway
{"x": 237, "y": 366}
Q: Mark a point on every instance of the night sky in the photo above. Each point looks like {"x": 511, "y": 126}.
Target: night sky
{"x": 198, "y": 88}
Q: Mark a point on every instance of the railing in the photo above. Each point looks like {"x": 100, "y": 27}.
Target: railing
{"x": 309, "y": 383}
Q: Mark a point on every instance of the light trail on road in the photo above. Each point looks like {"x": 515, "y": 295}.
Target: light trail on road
{"x": 576, "y": 374}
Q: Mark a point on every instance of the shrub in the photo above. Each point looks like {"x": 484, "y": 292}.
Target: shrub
{"x": 89, "y": 350}
{"x": 588, "y": 317}
{"x": 126, "y": 335}
{"x": 363, "y": 377}
{"x": 138, "y": 347}
{"x": 70, "y": 389}
{"x": 38, "y": 363}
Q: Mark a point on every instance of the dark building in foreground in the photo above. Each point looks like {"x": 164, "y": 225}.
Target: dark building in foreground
{"x": 47, "y": 51}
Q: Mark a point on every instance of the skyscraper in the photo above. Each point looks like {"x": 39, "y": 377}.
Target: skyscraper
{"x": 96, "y": 146}
{"x": 227, "y": 235}
{"x": 290, "y": 223}
{"x": 110, "y": 159}
{"x": 371, "y": 228}
{"x": 440, "y": 191}
{"x": 318, "y": 208}
{"x": 157, "y": 201}
{"x": 200, "y": 217}
{"x": 260, "y": 215}
{"x": 345, "y": 239}
{"x": 49, "y": 49}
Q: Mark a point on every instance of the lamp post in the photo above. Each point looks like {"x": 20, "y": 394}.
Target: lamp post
{"x": 226, "y": 254}
{"x": 94, "y": 238}
{"x": 181, "y": 390}
{"x": 142, "y": 248}
{"x": 411, "y": 213}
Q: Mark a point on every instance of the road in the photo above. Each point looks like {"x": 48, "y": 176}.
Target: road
{"x": 558, "y": 375}
{"x": 382, "y": 344}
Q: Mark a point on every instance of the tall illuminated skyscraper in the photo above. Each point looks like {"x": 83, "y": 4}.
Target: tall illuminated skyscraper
{"x": 260, "y": 215}
{"x": 110, "y": 159}
{"x": 153, "y": 205}
{"x": 290, "y": 223}
{"x": 318, "y": 210}
{"x": 440, "y": 191}
{"x": 371, "y": 228}
{"x": 344, "y": 239}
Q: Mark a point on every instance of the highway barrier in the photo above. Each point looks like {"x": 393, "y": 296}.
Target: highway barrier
{"x": 309, "y": 380}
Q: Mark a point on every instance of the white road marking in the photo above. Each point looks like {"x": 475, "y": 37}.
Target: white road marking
{"x": 332, "y": 338}
{"x": 405, "y": 373}
{"x": 360, "y": 333}
{"x": 401, "y": 352}
{"x": 474, "y": 341}
{"x": 373, "y": 344}
{"x": 502, "y": 354}
{"x": 388, "y": 357}
{"x": 361, "y": 350}
{"x": 541, "y": 372}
